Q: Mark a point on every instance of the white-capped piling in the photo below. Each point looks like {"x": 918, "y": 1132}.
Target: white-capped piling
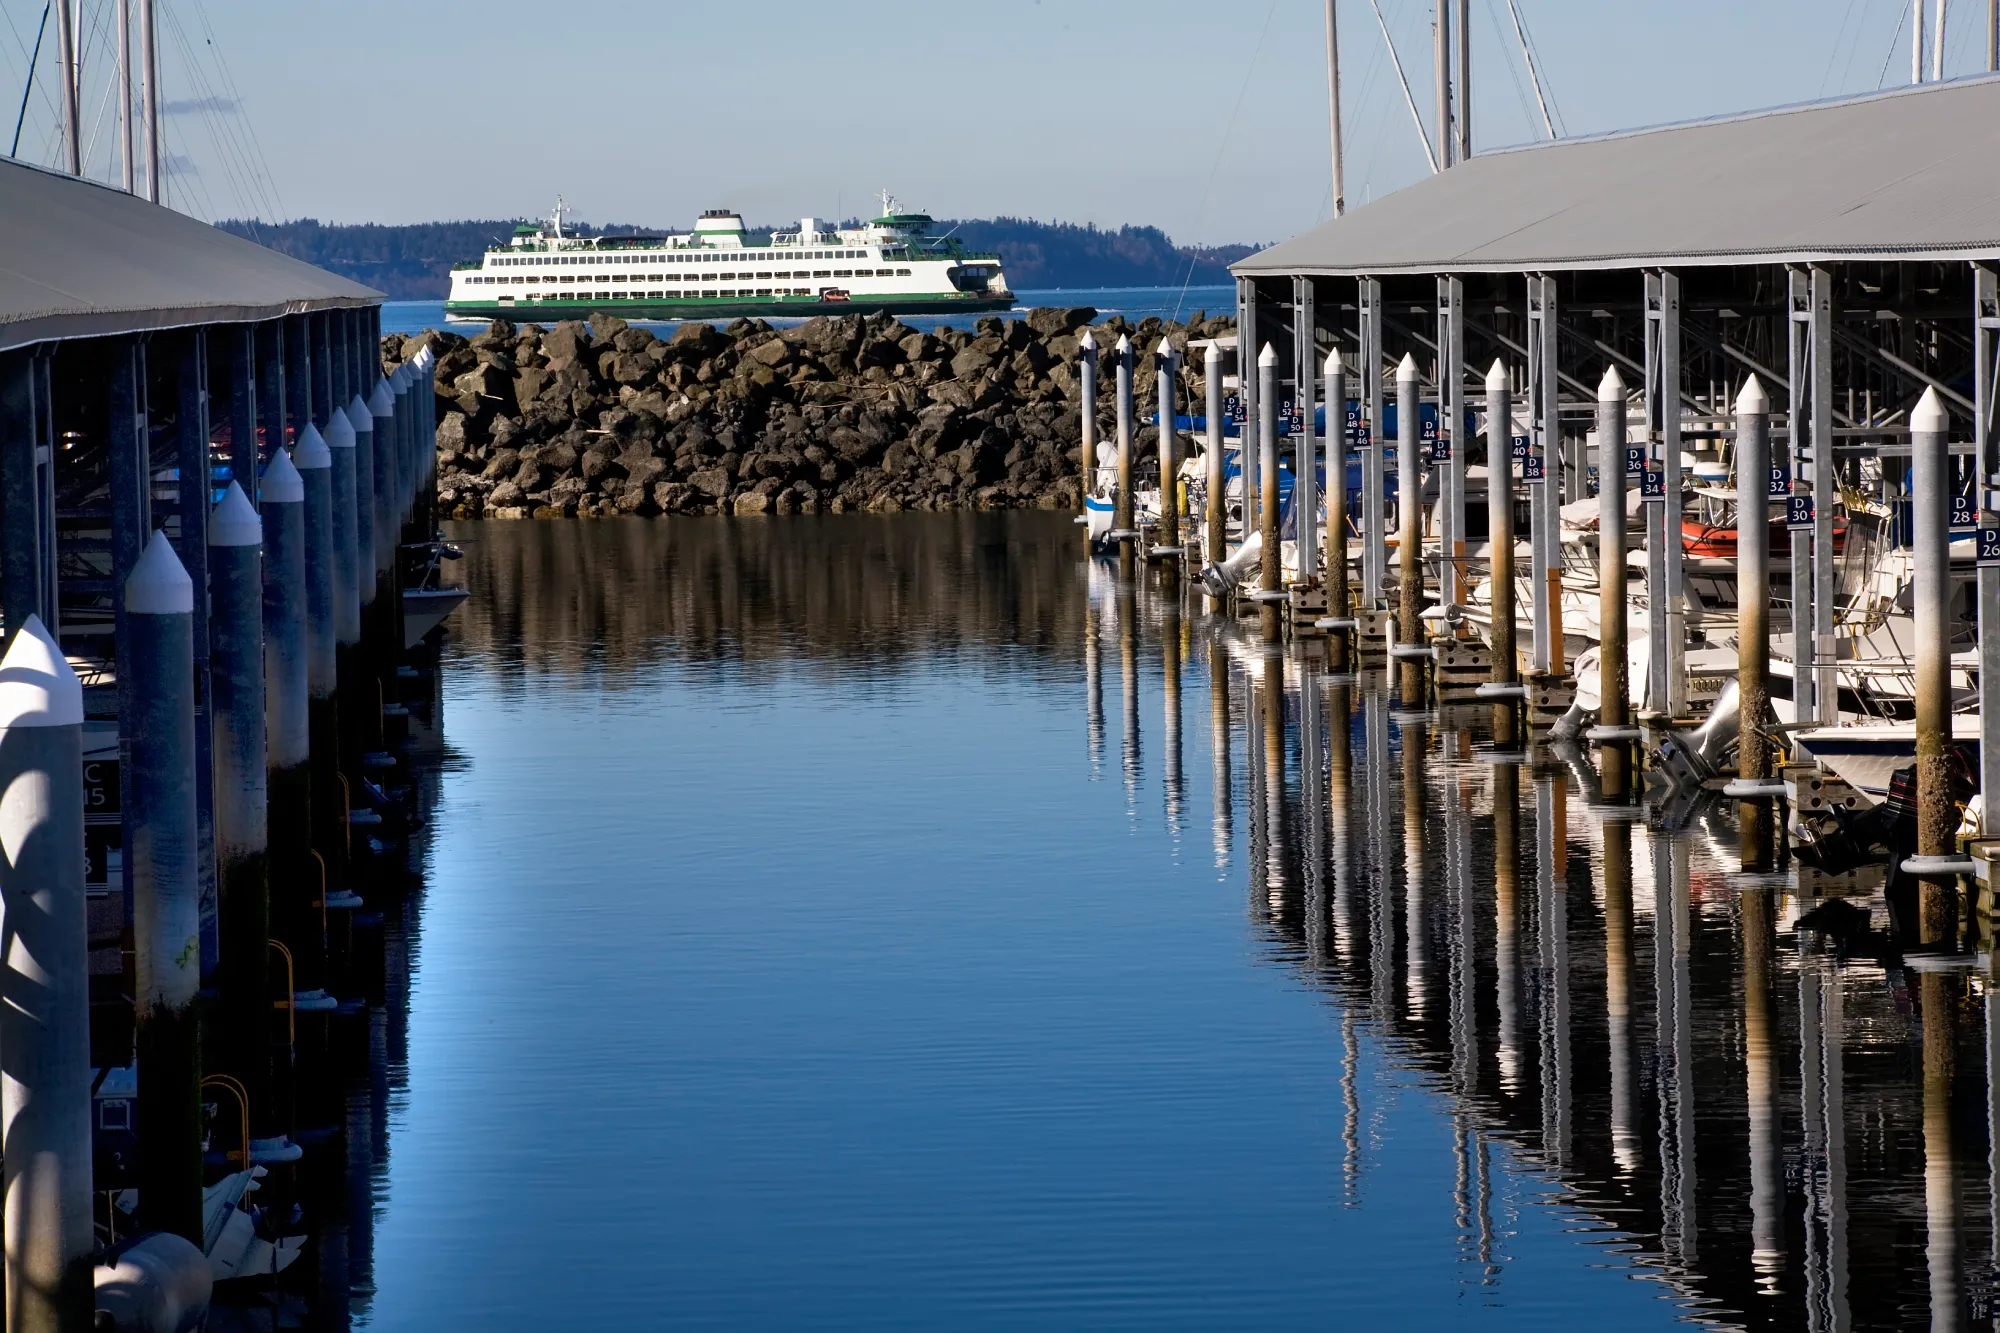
{"x": 1170, "y": 458}
{"x": 45, "y": 1071}
{"x": 237, "y": 707}
{"x": 1337, "y": 607}
{"x": 315, "y": 464}
{"x": 288, "y": 709}
{"x": 1215, "y": 508}
{"x": 1931, "y": 496}
{"x": 1409, "y": 527}
{"x": 1270, "y": 572}
{"x": 158, "y": 744}
{"x": 382, "y": 407}
{"x": 1753, "y": 625}
{"x": 1124, "y": 515}
{"x": 1086, "y": 463}
{"x": 1614, "y": 709}
{"x": 363, "y": 420}
{"x": 1500, "y": 543}
{"x": 339, "y": 437}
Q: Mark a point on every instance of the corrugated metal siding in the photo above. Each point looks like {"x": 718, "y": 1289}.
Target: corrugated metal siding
{"x": 79, "y": 260}
{"x": 1913, "y": 174}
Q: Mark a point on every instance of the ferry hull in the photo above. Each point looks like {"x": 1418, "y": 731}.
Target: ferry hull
{"x": 797, "y": 307}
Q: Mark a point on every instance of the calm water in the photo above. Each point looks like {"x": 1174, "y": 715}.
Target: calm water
{"x": 860, "y": 922}
{"x": 1134, "y": 303}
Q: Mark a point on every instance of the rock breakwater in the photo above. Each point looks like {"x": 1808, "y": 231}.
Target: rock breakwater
{"x": 834, "y": 414}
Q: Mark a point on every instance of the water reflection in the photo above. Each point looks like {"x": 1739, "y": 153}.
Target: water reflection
{"x": 1779, "y": 1132}
{"x": 988, "y": 1054}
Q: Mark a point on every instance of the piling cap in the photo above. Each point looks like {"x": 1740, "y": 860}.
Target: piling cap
{"x": 339, "y": 432}
{"x": 37, "y": 687}
{"x": 359, "y": 416}
{"x": 1611, "y": 389}
{"x": 1753, "y": 401}
{"x": 282, "y": 483}
{"x": 1332, "y": 364}
{"x": 400, "y": 380}
{"x": 1407, "y": 370}
{"x": 1496, "y": 378}
{"x": 309, "y": 452}
{"x": 1267, "y": 357}
{"x": 1086, "y": 342}
{"x": 1213, "y": 355}
{"x": 382, "y": 399}
{"x": 424, "y": 359}
{"x": 159, "y": 584}
{"x": 1124, "y": 344}
{"x": 1165, "y": 351}
{"x": 1928, "y": 416}
{"x": 234, "y": 520}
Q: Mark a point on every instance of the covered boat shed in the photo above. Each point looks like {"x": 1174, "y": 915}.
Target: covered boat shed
{"x": 146, "y": 359}
{"x": 1845, "y": 252}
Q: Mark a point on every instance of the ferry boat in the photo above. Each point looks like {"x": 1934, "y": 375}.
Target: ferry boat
{"x": 892, "y": 265}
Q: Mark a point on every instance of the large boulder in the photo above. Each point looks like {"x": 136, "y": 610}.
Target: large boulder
{"x": 566, "y": 341}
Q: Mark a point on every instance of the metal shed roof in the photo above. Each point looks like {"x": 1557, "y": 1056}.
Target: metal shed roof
{"x": 82, "y": 260}
{"x": 1913, "y": 174}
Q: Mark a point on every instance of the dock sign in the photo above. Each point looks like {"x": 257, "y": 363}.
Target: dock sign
{"x": 1964, "y": 518}
{"x": 1799, "y": 511}
{"x": 1780, "y": 487}
{"x": 1988, "y": 551}
{"x": 1441, "y": 449}
{"x": 1232, "y": 409}
{"x": 1519, "y": 444}
{"x": 1635, "y": 460}
{"x": 1531, "y": 468}
{"x": 1652, "y": 485}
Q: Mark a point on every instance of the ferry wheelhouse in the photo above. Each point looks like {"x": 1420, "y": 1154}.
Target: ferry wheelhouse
{"x": 891, "y": 264}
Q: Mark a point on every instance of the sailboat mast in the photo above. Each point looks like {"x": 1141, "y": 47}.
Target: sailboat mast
{"x": 1441, "y": 60}
{"x": 1464, "y": 101}
{"x": 1333, "y": 102}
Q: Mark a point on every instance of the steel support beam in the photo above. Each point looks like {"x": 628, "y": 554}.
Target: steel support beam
{"x": 1374, "y": 543}
{"x": 1666, "y": 618}
{"x": 1986, "y": 371}
{"x": 27, "y": 494}
{"x": 1545, "y": 495}
{"x": 1451, "y": 424}
{"x": 1246, "y": 387}
{"x": 1305, "y": 379}
{"x": 1825, "y": 494}
{"x": 1799, "y": 455}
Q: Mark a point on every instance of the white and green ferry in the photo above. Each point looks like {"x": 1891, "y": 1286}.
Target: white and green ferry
{"x": 892, "y": 264}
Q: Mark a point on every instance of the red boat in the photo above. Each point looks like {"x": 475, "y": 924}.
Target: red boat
{"x": 1718, "y": 543}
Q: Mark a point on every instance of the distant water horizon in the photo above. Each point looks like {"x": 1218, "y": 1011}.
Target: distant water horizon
{"x": 1134, "y": 303}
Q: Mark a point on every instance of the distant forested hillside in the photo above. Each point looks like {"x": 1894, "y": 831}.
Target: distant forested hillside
{"x": 411, "y": 262}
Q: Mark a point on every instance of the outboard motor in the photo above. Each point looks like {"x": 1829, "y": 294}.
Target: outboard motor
{"x": 156, "y": 1282}
{"x": 1696, "y": 757}
{"x": 1220, "y": 578}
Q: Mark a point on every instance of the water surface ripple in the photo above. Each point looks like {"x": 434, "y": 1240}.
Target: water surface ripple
{"x": 868, "y": 921}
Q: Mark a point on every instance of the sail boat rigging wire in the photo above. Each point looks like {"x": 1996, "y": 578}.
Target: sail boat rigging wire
{"x": 1534, "y": 75}
{"x": 28, "y": 84}
{"x": 1422, "y": 136}
{"x": 1221, "y": 146}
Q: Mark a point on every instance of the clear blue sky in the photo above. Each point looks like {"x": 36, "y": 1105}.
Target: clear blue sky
{"x": 1208, "y": 119}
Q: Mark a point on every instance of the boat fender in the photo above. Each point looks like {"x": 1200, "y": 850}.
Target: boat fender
{"x": 156, "y": 1282}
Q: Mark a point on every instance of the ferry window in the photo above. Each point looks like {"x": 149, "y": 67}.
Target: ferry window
{"x": 763, "y": 291}
{"x": 617, "y": 277}
{"x": 902, "y": 273}
{"x": 822, "y": 273}
{"x": 763, "y": 275}
{"x": 843, "y": 273}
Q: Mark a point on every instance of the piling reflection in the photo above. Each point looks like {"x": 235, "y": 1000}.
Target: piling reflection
{"x": 1771, "y": 1119}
